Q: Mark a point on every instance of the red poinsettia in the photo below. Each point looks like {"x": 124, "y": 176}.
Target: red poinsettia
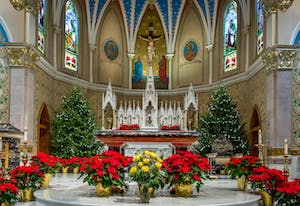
{"x": 267, "y": 180}
{"x": 47, "y": 163}
{"x": 27, "y": 177}
{"x": 237, "y": 167}
{"x": 289, "y": 193}
{"x": 185, "y": 168}
{"x": 105, "y": 170}
{"x": 129, "y": 127}
{"x": 8, "y": 193}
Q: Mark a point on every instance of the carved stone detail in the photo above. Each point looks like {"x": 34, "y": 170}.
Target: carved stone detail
{"x": 278, "y": 58}
{"x": 270, "y": 6}
{"x": 4, "y": 88}
{"x": 29, "y": 5}
{"x": 296, "y": 101}
{"x": 22, "y": 56}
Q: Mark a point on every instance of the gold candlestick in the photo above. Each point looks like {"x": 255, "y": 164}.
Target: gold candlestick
{"x": 25, "y": 153}
{"x": 261, "y": 152}
{"x": 286, "y": 166}
{"x": 6, "y": 160}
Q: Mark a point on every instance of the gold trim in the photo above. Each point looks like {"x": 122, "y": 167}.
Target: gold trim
{"x": 271, "y": 6}
{"x": 28, "y": 5}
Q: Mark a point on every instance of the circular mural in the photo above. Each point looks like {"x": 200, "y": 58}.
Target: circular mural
{"x": 190, "y": 50}
{"x": 111, "y": 50}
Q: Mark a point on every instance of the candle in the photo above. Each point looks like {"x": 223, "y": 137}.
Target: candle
{"x": 6, "y": 155}
{"x": 259, "y": 137}
{"x": 25, "y": 134}
{"x": 286, "y": 147}
{"x": 0, "y": 144}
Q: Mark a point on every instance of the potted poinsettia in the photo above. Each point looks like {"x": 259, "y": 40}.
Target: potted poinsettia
{"x": 104, "y": 173}
{"x": 75, "y": 163}
{"x": 28, "y": 179}
{"x": 289, "y": 193}
{"x": 183, "y": 169}
{"x": 241, "y": 168}
{"x": 266, "y": 181}
{"x": 8, "y": 191}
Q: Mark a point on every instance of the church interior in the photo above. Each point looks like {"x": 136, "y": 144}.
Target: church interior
{"x": 151, "y": 67}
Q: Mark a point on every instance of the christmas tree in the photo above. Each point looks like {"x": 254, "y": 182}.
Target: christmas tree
{"x": 73, "y": 130}
{"x": 222, "y": 121}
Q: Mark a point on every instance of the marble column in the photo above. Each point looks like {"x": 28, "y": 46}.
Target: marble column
{"x": 170, "y": 64}
{"x": 92, "y": 48}
{"x": 131, "y": 56}
{"x": 246, "y": 32}
{"x": 210, "y": 50}
{"x": 30, "y": 28}
{"x": 56, "y": 31}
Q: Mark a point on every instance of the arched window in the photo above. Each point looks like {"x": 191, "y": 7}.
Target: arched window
{"x": 230, "y": 36}
{"x": 259, "y": 27}
{"x": 41, "y": 34}
{"x": 71, "y": 36}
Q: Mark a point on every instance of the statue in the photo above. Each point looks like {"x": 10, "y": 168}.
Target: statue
{"x": 163, "y": 69}
{"x": 138, "y": 70}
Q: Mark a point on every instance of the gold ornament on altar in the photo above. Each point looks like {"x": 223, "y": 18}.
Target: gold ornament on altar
{"x": 270, "y": 6}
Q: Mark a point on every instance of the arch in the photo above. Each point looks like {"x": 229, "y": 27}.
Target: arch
{"x": 255, "y": 125}
{"x": 43, "y": 130}
{"x": 4, "y": 30}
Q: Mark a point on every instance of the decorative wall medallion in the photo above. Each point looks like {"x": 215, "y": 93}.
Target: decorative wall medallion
{"x": 190, "y": 50}
{"x": 111, "y": 50}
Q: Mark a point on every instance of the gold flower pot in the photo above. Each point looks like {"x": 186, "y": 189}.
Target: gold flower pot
{"x": 101, "y": 191}
{"x": 64, "y": 170}
{"x": 26, "y": 195}
{"x": 76, "y": 170}
{"x": 242, "y": 183}
{"x": 184, "y": 190}
{"x": 4, "y": 203}
{"x": 267, "y": 198}
{"x": 46, "y": 180}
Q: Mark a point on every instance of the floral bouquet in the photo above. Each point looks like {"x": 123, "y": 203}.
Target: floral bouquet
{"x": 47, "y": 163}
{"x": 8, "y": 191}
{"x": 27, "y": 177}
{"x": 145, "y": 169}
{"x": 267, "y": 180}
{"x": 289, "y": 194}
{"x": 185, "y": 168}
{"x": 237, "y": 167}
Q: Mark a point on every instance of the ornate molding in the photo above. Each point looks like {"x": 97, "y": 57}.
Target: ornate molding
{"x": 24, "y": 56}
{"x": 278, "y": 58}
{"x": 296, "y": 102}
{"x": 4, "y": 88}
{"x": 270, "y": 6}
{"x": 28, "y": 5}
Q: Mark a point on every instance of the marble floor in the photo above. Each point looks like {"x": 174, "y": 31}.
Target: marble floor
{"x": 66, "y": 189}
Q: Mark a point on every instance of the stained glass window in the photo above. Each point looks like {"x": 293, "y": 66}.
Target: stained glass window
{"x": 42, "y": 26}
{"x": 260, "y": 27}
{"x": 3, "y": 35}
{"x": 230, "y": 36}
{"x": 71, "y": 36}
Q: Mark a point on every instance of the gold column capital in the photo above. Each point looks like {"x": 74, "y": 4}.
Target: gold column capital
{"x": 28, "y": 5}
{"x": 270, "y": 6}
{"x": 21, "y": 56}
{"x": 279, "y": 57}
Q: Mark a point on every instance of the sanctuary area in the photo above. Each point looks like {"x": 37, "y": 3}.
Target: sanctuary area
{"x": 149, "y": 101}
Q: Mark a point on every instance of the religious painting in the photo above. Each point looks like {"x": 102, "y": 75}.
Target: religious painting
{"x": 230, "y": 36}
{"x": 150, "y": 51}
{"x": 190, "y": 50}
{"x": 41, "y": 26}
{"x": 111, "y": 50}
{"x": 260, "y": 27}
{"x": 71, "y": 36}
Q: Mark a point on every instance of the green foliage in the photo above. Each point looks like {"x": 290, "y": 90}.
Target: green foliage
{"x": 222, "y": 120}
{"x": 73, "y": 130}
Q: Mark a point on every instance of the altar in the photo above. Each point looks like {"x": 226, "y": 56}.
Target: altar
{"x": 114, "y": 139}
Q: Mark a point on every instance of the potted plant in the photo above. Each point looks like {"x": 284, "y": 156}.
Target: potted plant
{"x": 289, "y": 194}
{"x": 48, "y": 164}
{"x": 28, "y": 179}
{"x": 145, "y": 170}
{"x": 8, "y": 191}
{"x": 75, "y": 163}
{"x": 266, "y": 181}
{"x": 183, "y": 169}
{"x": 102, "y": 173}
{"x": 241, "y": 168}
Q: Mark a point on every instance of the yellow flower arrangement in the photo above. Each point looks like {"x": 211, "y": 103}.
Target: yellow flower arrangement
{"x": 145, "y": 169}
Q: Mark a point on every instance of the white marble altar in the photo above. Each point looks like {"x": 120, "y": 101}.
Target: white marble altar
{"x": 68, "y": 190}
{"x": 162, "y": 149}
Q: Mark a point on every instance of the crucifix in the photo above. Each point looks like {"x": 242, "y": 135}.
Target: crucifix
{"x": 150, "y": 39}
